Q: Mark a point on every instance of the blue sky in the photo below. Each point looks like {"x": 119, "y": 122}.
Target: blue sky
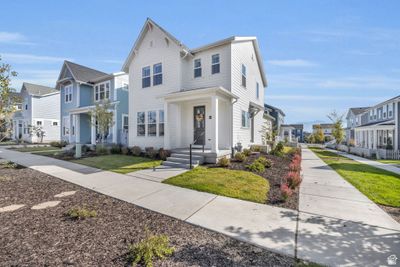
{"x": 319, "y": 56}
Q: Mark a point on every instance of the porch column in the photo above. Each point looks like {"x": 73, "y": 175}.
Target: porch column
{"x": 93, "y": 130}
{"x": 167, "y": 144}
{"x": 375, "y": 139}
{"x": 77, "y": 128}
{"x": 71, "y": 117}
{"x": 214, "y": 124}
{"x": 114, "y": 136}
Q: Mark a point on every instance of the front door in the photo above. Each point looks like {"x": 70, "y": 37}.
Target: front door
{"x": 199, "y": 125}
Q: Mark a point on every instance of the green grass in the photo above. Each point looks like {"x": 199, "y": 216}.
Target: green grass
{"x": 287, "y": 149}
{"x": 231, "y": 183}
{"x": 119, "y": 163}
{"x": 390, "y": 161}
{"x": 380, "y": 186}
{"x": 8, "y": 143}
{"x": 37, "y": 149}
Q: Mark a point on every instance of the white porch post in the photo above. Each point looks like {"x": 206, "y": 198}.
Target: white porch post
{"x": 114, "y": 136}
{"x": 71, "y": 117}
{"x": 214, "y": 124}
{"x": 77, "y": 128}
{"x": 93, "y": 130}
{"x": 375, "y": 139}
{"x": 167, "y": 144}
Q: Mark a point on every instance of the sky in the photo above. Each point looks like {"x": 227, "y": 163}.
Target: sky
{"x": 319, "y": 56}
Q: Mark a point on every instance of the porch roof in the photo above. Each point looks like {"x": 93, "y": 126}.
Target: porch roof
{"x": 87, "y": 109}
{"x": 205, "y": 91}
{"x": 388, "y": 124}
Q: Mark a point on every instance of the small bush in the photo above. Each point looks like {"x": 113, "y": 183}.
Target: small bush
{"x": 239, "y": 156}
{"x": 115, "y": 149}
{"x": 10, "y": 165}
{"x": 102, "y": 150}
{"x": 136, "y": 151}
{"x": 224, "y": 162}
{"x": 293, "y": 179}
{"x": 246, "y": 152}
{"x": 153, "y": 246}
{"x": 85, "y": 149}
{"x": 264, "y": 161}
{"x": 278, "y": 150}
{"x": 255, "y": 148}
{"x": 80, "y": 213}
{"x": 256, "y": 166}
{"x": 163, "y": 154}
{"x": 151, "y": 152}
{"x": 286, "y": 192}
{"x": 59, "y": 144}
{"x": 125, "y": 150}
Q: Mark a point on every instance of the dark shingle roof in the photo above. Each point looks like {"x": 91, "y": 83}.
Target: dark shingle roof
{"x": 274, "y": 108}
{"x": 82, "y": 73}
{"x": 359, "y": 110}
{"x": 35, "y": 89}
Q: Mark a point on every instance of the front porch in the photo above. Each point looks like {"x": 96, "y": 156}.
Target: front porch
{"x": 378, "y": 136}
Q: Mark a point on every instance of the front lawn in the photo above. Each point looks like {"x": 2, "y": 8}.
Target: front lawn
{"x": 231, "y": 183}
{"x": 380, "y": 186}
{"x": 119, "y": 163}
{"x": 390, "y": 161}
{"x": 37, "y": 149}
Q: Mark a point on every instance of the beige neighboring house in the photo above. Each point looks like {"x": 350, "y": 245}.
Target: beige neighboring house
{"x": 327, "y": 129}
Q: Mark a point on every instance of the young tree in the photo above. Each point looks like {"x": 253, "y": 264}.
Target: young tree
{"x": 337, "y": 131}
{"x": 104, "y": 118}
{"x": 266, "y": 133}
{"x": 319, "y": 135}
{"x": 38, "y": 132}
{"x": 7, "y": 100}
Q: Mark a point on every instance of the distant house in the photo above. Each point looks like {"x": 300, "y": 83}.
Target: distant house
{"x": 277, "y": 114}
{"x": 353, "y": 119}
{"x": 326, "y": 129}
{"x": 292, "y": 132}
{"x": 81, "y": 89}
{"x": 40, "y": 108}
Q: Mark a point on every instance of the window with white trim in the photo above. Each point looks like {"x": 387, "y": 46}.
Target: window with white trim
{"x": 157, "y": 74}
{"x": 197, "y": 67}
{"x": 244, "y": 75}
{"x": 141, "y": 126}
{"x": 161, "y": 123}
{"x": 215, "y": 64}
{"x": 68, "y": 93}
{"x": 384, "y": 111}
{"x": 245, "y": 119}
{"x": 102, "y": 91}
{"x": 257, "y": 90}
{"x": 54, "y": 123}
{"x": 146, "y": 80}
{"x": 39, "y": 123}
{"x": 152, "y": 123}
{"x": 125, "y": 122}
{"x": 390, "y": 110}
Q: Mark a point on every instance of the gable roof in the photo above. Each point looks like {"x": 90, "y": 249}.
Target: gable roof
{"x": 150, "y": 23}
{"x": 356, "y": 111}
{"x": 81, "y": 73}
{"x": 38, "y": 90}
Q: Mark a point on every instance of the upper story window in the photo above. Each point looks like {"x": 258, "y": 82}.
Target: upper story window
{"x": 243, "y": 75}
{"x": 146, "y": 80}
{"x": 390, "y": 110}
{"x": 197, "y": 68}
{"x": 39, "y": 123}
{"x": 215, "y": 64}
{"x": 152, "y": 123}
{"x": 258, "y": 90}
{"x": 245, "y": 119}
{"x": 375, "y": 114}
{"x": 379, "y": 114}
{"x": 26, "y": 106}
{"x": 68, "y": 93}
{"x": 384, "y": 111}
{"x": 371, "y": 114}
{"x": 157, "y": 74}
{"x": 102, "y": 91}
{"x": 161, "y": 123}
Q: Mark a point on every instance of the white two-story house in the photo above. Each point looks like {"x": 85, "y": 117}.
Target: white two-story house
{"x": 40, "y": 107}
{"x": 211, "y": 96}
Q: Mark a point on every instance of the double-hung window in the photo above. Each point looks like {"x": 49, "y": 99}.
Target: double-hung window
{"x": 197, "y": 68}
{"x": 39, "y": 123}
{"x": 125, "y": 122}
{"x": 390, "y": 110}
{"x": 258, "y": 90}
{"x": 141, "y": 126}
{"x": 151, "y": 123}
{"x": 244, "y": 75}
{"x": 146, "y": 80}
{"x": 161, "y": 123}
{"x": 102, "y": 91}
{"x": 68, "y": 93}
{"x": 215, "y": 66}
{"x": 245, "y": 119}
{"x": 157, "y": 74}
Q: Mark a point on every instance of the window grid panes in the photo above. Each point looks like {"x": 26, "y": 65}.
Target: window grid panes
{"x": 215, "y": 65}
{"x": 146, "y": 80}
{"x": 197, "y": 68}
{"x": 152, "y": 123}
{"x": 157, "y": 74}
{"x": 245, "y": 119}
{"x": 243, "y": 75}
{"x": 141, "y": 127}
{"x": 161, "y": 123}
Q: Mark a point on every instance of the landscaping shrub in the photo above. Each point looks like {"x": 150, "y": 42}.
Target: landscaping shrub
{"x": 80, "y": 213}
{"x": 264, "y": 161}
{"x": 136, "y": 151}
{"x": 163, "y": 154}
{"x": 293, "y": 179}
{"x": 295, "y": 164}
{"x": 255, "y": 148}
{"x": 278, "y": 150}
{"x": 246, "y": 152}
{"x": 151, "y": 152}
{"x": 256, "y": 166}
{"x": 153, "y": 246}
{"x": 286, "y": 192}
{"x": 59, "y": 144}
{"x": 239, "y": 156}
{"x": 102, "y": 150}
{"x": 115, "y": 149}
{"x": 125, "y": 150}
{"x": 10, "y": 165}
{"x": 224, "y": 162}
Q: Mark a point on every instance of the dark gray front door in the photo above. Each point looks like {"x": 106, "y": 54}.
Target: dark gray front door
{"x": 199, "y": 125}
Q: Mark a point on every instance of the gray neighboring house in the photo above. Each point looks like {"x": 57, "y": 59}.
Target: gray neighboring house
{"x": 277, "y": 114}
{"x": 353, "y": 120}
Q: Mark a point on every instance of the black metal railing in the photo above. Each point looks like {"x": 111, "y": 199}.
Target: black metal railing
{"x": 190, "y": 150}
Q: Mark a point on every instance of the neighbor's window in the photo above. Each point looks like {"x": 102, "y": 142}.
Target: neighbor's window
{"x": 141, "y": 127}
{"x": 215, "y": 64}
{"x": 146, "y": 80}
{"x": 102, "y": 91}
{"x": 68, "y": 93}
{"x": 125, "y": 122}
{"x": 161, "y": 123}
{"x": 157, "y": 74}
{"x": 152, "y": 123}
{"x": 197, "y": 68}
{"x": 39, "y": 123}
{"x": 54, "y": 123}
{"x": 390, "y": 110}
{"x": 257, "y": 90}
{"x": 245, "y": 119}
{"x": 26, "y": 106}
{"x": 243, "y": 75}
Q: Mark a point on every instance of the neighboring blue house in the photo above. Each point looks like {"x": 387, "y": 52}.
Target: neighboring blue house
{"x": 81, "y": 89}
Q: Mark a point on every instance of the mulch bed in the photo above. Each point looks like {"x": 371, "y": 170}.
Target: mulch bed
{"x": 47, "y": 238}
{"x": 392, "y": 211}
{"x": 274, "y": 175}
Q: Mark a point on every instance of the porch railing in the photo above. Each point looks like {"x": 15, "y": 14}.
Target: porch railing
{"x": 190, "y": 150}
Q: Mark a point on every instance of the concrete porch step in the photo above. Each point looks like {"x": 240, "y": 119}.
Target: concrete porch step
{"x": 187, "y": 156}
{"x": 178, "y": 164}
{"x": 183, "y": 160}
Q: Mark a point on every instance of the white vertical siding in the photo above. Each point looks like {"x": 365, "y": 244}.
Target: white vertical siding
{"x": 47, "y": 110}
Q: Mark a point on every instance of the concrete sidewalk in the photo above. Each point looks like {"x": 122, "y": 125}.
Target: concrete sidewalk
{"x": 373, "y": 163}
{"x": 338, "y": 225}
{"x": 262, "y": 225}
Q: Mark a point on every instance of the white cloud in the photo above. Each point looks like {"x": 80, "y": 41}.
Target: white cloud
{"x": 13, "y": 38}
{"x": 292, "y": 63}
{"x": 29, "y": 58}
